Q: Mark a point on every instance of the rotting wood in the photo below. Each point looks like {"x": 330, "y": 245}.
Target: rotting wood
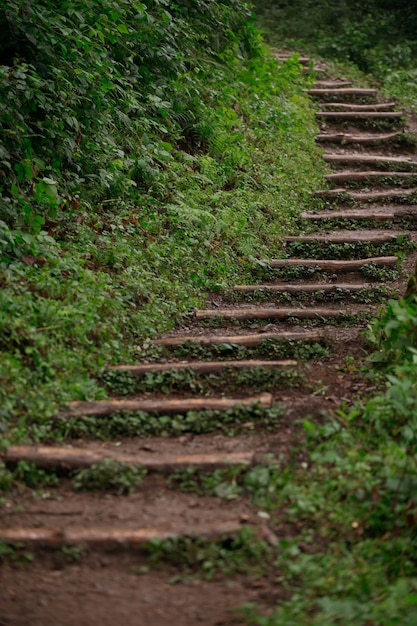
{"x": 345, "y": 177}
{"x": 58, "y": 537}
{"x": 346, "y": 106}
{"x": 200, "y": 367}
{"x": 343, "y": 91}
{"x": 248, "y": 341}
{"x": 348, "y": 138}
{"x": 336, "y": 265}
{"x": 351, "y": 237}
{"x": 268, "y": 313}
{"x": 368, "y": 158}
{"x": 79, "y": 458}
{"x": 351, "y": 115}
{"x": 305, "y": 287}
{"x": 101, "y": 408}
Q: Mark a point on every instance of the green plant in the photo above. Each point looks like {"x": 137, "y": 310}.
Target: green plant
{"x": 394, "y": 334}
{"x": 327, "y": 250}
{"x": 110, "y": 475}
{"x": 32, "y": 476}
{"x": 229, "y": 555}
{"x": 72, "y": 553}
{"x": 269, "y": 348}
{"x": 169, "y": 381}
{"x": 141, "y": 424}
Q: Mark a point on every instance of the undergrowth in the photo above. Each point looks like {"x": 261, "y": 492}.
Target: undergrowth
{"x": 400, "y": 246}
{"x": 261, "y": 378}
{"x": 371, "y": 293}
{"x": 267, "y": 348}
{"x": 149, "y": 151}
{"x": 141, "y": 424}
{"x": 378, "y": 38}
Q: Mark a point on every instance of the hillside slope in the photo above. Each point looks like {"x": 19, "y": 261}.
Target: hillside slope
{"x": 148, "y": 151}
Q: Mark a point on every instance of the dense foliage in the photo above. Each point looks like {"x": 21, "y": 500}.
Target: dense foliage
{"x": 148, "y": 152}
{"x": 378, "y": 36}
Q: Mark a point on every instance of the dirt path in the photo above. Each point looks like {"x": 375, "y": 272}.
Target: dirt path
{"x": 284, "y": 348}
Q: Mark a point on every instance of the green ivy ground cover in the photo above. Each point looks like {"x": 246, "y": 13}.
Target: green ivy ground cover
{"x": 149, "y": 151}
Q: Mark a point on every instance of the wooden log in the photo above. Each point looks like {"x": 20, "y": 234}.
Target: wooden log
{"x": 331, "y": 84}
{"x": 390, "y": 194}
{"x": 101, "y": 408}
{"x": 336, "y": 265}
{"x": 316, "y": 68}
{"x": 80, "y": 458}
{"x": 359, "y": 159}
{"x": 358, "y": 236}
{"x": 331, "y": 193}
{"x": 280, "y": 56}
{"x": 248, "y": 341}
{"x": 343, "y": 91}
{"x": 380, "y": 176}
{"x": 267, "y": 313}
{"x": 361, "y": 213}
{"x": 360, "y": 115}
{"x": 57, "y": 537}
{"x": 200, "y": 367}
{"x": 362, "y": 138}
{"x": 304, "y": 287}
{"x": 346, "y": 106}
{"x": 365, "y": 196}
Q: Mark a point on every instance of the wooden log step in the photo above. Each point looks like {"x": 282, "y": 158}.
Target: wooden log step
{"x": 347, "y": 106}
{"x": 282, "y": 56}
{"x": 358, "y": 236}
{"x": 303, "y": 287}
{"x": 247, "y": 341}
{"x": 338, "y": 265}
{"x": 331, "y": 84}
{"x": 360, "y": 159}
{"x": 80, "y": 458}
{"x": 257, "y": 313}
{"x": 365, "y": 196}
{"x": 347, "y": 177}
{"x": 360, "y": 115}
{"x": 101, "y": 408}
{"x": 362, "y": 138}
{"x": 200, "y": 367}
{"x": 90, "y": 537}
{"x": 342, "y": 91}
{"x": 377, "y": 214}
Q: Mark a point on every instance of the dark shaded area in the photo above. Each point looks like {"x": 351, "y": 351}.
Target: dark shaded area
{"x": 372, "y": 34}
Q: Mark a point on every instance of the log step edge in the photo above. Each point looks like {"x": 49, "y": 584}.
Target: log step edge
{"x": 71, "y": 458}
{"x": 306, "y": 287}
{"x": 101, "y": 408}
{"x": 346, "y": 138}
{"x": 57, "y": 537}
{"x": 268, "y": 313}
{"x": 358, "y": 236}
{"x": 335, "y": 265}
{"x": 251, "y": 340}
{"x": 200, "y": 367}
